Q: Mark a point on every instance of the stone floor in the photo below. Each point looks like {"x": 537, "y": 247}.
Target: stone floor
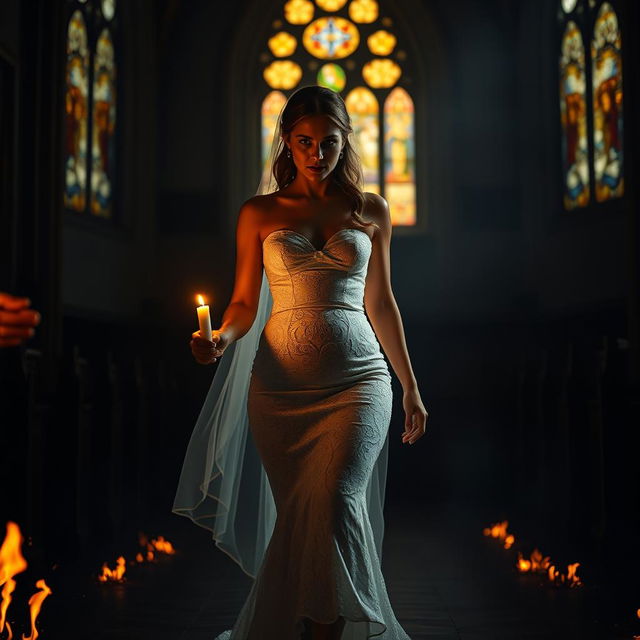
{"x": 446, "y": 581}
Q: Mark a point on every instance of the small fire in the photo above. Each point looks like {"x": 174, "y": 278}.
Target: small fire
{"x": 12, "y": 562}
{"x": 540, "y": 564}
{"x": 499, "y": 531}
{"x": 113, "y": 575}
{"x": 536, "y": 564}
{"x": 200, "y": 300}
{"x": 159, "y": 544}
{"x": 35, "y": 602}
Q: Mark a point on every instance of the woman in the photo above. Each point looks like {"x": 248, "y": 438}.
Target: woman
{"x": 319, "y": 399}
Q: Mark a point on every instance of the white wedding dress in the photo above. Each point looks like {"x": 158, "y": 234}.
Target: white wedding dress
{"x": 319, "y": 408}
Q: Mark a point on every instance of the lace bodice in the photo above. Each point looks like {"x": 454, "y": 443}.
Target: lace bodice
{"x": 301, "y": 276}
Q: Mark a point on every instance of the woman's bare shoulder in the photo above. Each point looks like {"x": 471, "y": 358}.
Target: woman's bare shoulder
{"x": 376, "y": 209}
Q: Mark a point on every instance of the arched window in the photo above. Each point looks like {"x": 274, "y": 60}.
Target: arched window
{"x": 350, "y": 48}
{"x": 90, "y": 108}
{"x": 606, "y": 60}
{"x": 591, "y": 101}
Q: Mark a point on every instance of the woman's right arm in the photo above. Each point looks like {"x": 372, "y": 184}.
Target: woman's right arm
{"x": 241, "y": 311}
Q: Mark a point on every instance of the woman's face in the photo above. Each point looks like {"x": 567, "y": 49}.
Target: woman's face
{"x": 315, "y": 141}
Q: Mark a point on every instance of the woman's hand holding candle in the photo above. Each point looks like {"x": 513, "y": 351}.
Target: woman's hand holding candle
{"x": 208, "y": 351}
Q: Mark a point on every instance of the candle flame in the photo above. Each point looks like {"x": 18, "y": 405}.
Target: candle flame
{"x": 200, "y": 300}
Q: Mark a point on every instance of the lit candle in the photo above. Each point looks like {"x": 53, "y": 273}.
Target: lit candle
{"x": 204, "y": 319}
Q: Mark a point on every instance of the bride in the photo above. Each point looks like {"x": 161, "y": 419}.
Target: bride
{"x": 298, "y": 504}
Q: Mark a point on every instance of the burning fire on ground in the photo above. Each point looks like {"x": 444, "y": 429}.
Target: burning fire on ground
{"x": 12, "y": 562}
{"x": 499, "y": 531}
{"x": 151, "y": 548}
{"x": 536, "y": 563}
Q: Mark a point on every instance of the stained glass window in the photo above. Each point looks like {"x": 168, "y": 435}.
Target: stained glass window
{"x": 104, "y": 122}
{"x": 282, "y": 44}
{"x": 573, "y": 111}
{"x": 332, "y": 76}
{"x": 399, "y": 172}
{"x": 363, "y": 108}
{"x": 591, "y": 104}
{"x": 271, "y": 107}
{"x": 364, "y": 66}
{"x": 75, "y": 107}
{"x": 606, "y": 62}
{"x": 330, "y": 38}
{"x": 89, "y": 142}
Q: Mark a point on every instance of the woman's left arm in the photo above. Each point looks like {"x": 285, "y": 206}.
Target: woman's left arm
{"x": 384, "y": 315}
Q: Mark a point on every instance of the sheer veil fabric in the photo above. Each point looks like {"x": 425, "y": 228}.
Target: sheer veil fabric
{"x": 223, "y": 486}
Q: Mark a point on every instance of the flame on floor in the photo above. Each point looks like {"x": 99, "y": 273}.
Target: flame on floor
{"x": 12, "y": 562}
{"x": 116, "y": 574}
{"x": 152, "y": 547}
{"x": 498, "y": 530}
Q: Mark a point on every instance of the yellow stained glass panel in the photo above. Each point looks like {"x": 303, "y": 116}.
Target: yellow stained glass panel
{"x": 399, "y": 169}
{"x": 282, "y": 44}
{"x": 331, "y": 38}
{"x": 363, "y": 11}
{"x": 381, "y": 73}
{"x": 331, "y": 5}
{"x": 271, "y": 107}
{"x": 282, "y": 74}
{"x": 298, "y": 11}
{"x": 363, "y": 110}
{"x": 381, "y": 43}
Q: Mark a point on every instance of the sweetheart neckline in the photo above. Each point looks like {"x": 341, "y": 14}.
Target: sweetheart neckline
{"x": 301, "y": 235}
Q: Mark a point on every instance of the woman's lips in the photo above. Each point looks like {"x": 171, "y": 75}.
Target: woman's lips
{"x": 314, "y": 168}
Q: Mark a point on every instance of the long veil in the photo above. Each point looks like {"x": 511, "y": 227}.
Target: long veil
{"x": 223, "y": 486}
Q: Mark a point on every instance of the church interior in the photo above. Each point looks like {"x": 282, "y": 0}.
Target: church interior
{"x": 501, "y": 133}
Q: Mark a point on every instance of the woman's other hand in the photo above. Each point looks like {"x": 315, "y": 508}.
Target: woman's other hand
{"x": 17, "y": 321}
{"x": 416, "y": 416}
{"x": 208, "y": 351}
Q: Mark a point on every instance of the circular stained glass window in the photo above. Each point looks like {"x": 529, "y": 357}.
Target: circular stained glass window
{"x": 332, "y": 76}
{"x": 331, "y": 38}
{"x": 381, "y": 73}
{"x": 282, "y": 74}
{"x": 298, "y": 11}
{"x": 381, "y": 43}
{"x": 364, "y": 11}
{"x": 282, "y": 44}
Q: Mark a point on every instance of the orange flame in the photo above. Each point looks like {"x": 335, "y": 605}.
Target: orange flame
{"x": 499, "y": 531}
{"x": 200, "y": 300}
{"x": 11, "y": 562}
{"x": 162, "y": 545}
{"x": 523, "y": 565}
{"x": 35, "y": 602}
{"x": 114, "y": 575}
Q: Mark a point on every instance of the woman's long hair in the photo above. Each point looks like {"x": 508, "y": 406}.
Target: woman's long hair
{"x": 347, "y": 175}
